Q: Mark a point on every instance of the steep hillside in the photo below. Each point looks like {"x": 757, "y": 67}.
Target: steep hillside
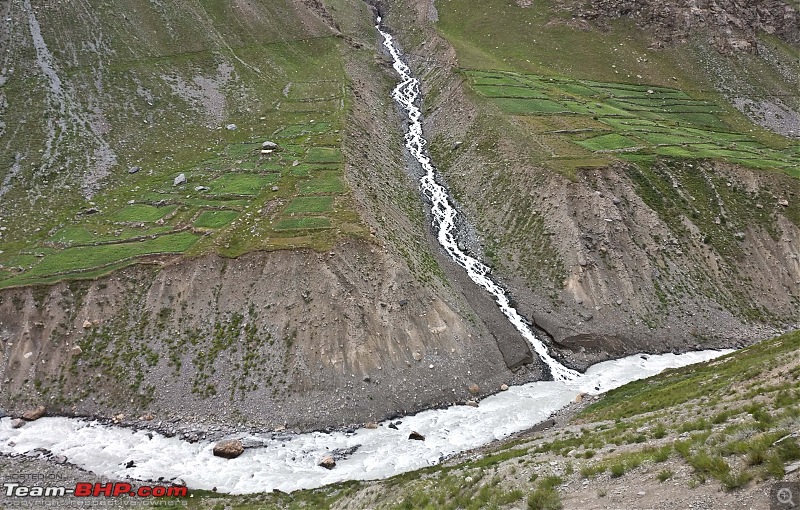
{"x": 154, "y": 247}
{"x": 620, "y": 195}
{"x": 625, "y": 200}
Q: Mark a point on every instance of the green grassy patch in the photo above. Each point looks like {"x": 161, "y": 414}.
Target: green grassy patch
{"x": 141, "y": 213}
{"x": 608, "y": 142}
{"x": 241, "y": 184}
{"x": 215, "y": 219}
{"x": 87, "y": 257}
{"x": 311, "y": 222}
{"x": 323, "y": 155}
{"x": 515, "y": 106}
{"x": 310, "y": 205}
{"x": 327, "y": 182}
{"x": 509, "y": 91}
{"x": 650, "y": 118}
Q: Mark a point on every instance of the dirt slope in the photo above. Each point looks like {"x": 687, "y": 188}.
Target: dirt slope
{"x": 299, "y": 338}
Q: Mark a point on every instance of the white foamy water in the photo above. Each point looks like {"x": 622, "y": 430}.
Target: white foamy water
{"x": 289, "y": 462}
{"x": 444, "y": 213}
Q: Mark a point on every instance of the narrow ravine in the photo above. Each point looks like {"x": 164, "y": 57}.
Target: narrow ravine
{"x": 407, "y": 96}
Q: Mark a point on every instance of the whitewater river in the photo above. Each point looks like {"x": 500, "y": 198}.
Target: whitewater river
{"x": 290, "y": 462}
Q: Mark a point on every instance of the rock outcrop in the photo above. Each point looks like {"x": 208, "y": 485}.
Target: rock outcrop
{"x": 229, "y": 449}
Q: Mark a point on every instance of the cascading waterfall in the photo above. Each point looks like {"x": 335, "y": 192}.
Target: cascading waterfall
{"x": 406, "y": 94}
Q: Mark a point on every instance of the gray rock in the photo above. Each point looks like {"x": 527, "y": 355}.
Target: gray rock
{"x": 134, "y": 169}
{"x": 231, "y": 127}
{"x": 201, "y": 188}
{"x": 416, "y": 436}
{"x": 17, "y": 423}
{"x": 228, "y": 449}
{"x": 269, "y": 145}
{"x": 327, "y": 462}
{"x": 180, "y": 179}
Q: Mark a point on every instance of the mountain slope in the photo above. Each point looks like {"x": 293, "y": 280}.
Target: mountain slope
{"x": 620, "y": 201}
{"x": 133, "y": 279}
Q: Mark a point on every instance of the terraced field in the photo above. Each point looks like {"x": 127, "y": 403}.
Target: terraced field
{"x": 584, "y": 123}
{"x": 244, "y": 197}
{"x": 89, "y": 174}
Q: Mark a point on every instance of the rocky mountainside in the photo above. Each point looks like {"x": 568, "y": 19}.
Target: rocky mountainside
{"x": 612, "y": 254}
{"x": 729, "y": 24}
{"x": 207, "y": 220}
{"x": 283, "y": 284}
{"x": 655, "y": 217}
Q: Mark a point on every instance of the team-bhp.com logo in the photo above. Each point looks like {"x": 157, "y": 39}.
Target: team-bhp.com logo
{"x": 94, "y": 490}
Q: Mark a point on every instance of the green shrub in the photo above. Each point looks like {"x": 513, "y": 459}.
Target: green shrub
{"x": 664, "y": 475}
{"x": 734, "y": 480}
{"x": 544, "y": 498}
{"x": 659, "y": 431}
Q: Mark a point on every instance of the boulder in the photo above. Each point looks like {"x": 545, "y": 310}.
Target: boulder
{"x": 416, "y": 436}
{"x": 231, "y": 127}
{"x": 17, "y": 423}
{"x": 180, "y": 179}
{"x": 474, "y": 389}
{"x": 327, "y": 462}
{"x": 134, "y": 169}
{"x": 269, "y": 145}
{"x": 33, "y": 414}
{"x": 581, "y": 397}
{"x": 504, "y": 387}
{"x": 201, "y": 188}
{"x": 228, "y": 449}
{"x": 371, "y": 425}
{"x": 783, "y": 202}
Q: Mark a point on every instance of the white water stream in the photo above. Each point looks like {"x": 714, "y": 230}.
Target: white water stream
{"x": 444, "y": 214}
{"x": 290, "y": 462}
